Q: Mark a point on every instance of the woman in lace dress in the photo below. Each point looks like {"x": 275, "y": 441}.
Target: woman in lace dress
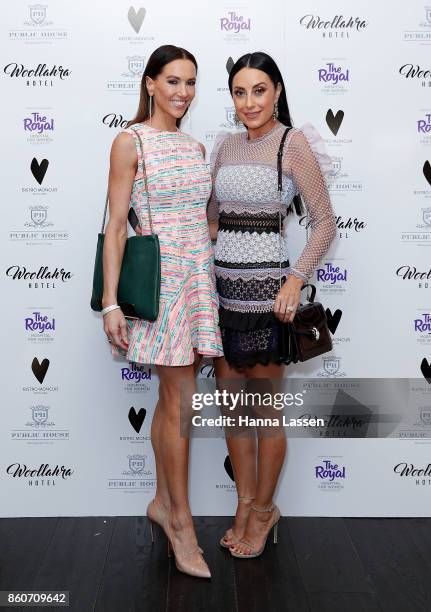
{"x": 244, "y": 218}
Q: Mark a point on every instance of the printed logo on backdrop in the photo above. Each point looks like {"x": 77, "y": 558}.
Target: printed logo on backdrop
{"x": 419, "y": 238}
{"x": 422, "y": 28}
{"x": 129, "y": 81}
{"x": 136, "y": 377}
{"x": 223, "y": 87}
{"x": 423, "y": 190}
{"x": 39, "y": 369}
{"x": 136, "y": 421}
{"x": 332, "y": 278}
{"x": 35, "y": 230}
{"x": 134, "y": 26}
{"x": 228, "y": 486}
{"x": 333, "y": 77}
{"x": 39, "y": 327}
{"x": 331, "y": 368}
{"x": 333, "y": 320}
{"x": 330, "y": 474}
{"x": 417, "y": 74}
{"x": 40, "y": 428}
{"x": 423, "y": 127}
{"x": 37, "y": 27}
{"x": 415, "y": 275}
{"x": 422, "y": 327}
{"x": 44, "y": 475}
{"x": 421, "y": 428}
{"x": 418, "y": 476}
{"x": 337, "y": 26}
{"x": 42, "y": 278}
{"x": 425, "y": 368}
{"x": 347, "y": 226}
{"x": 207, "y": 370}
{"x": 425, "y": 218}
{"x": 235, "y": 26}
{"x": 38, "y": 128}
{"x": 114, "y": 120}
{"x": 227, "y": 124}
{"x": 338, "y": 425}
{"x": 135, "y": 477}
{"x": 42, "y": 75}
{"x": 339, "y": 182}
{"x": 38, "y": 170}
{"x": 334, "y": 121}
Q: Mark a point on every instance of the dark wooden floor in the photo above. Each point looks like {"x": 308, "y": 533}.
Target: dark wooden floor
{"x": 318, "y": 565}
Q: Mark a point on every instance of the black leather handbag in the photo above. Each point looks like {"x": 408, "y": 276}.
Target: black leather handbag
{"x": 308, "y": 335}
{"x": 138, "y": 291}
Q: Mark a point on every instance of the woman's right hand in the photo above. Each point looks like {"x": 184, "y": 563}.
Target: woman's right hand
{"x": 115, "y": 327}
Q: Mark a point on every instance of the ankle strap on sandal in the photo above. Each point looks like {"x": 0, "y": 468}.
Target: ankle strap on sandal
{"x": 256, "y": 509}
{"x": 245, "y": 497}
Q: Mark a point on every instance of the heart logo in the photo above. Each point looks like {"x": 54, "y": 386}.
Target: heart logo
{"x": 334, "y": 121}
{"x": 426, "y": 370}
{"x": 137, "y": 419}
{"x": 229, "y": 65}
{"x": 39, "y": 369}
{"x": 39, "y": 170}
{"x": 427, "y": 171}
{"x": 228, "y": 468}
{"x": 333, "y": 319}
{"x": 136, "y": 18}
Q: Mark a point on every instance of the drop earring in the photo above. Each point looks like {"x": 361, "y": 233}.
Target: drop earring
{"x": 188, "y": 116}
{"x": 151, "y": 108}
{"x": 236, "y": 119}
{"x": 275, "y": 113}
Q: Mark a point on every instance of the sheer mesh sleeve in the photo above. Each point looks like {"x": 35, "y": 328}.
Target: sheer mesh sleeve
{"x": 301, "y": 163}
{"x": 215, "y": 163}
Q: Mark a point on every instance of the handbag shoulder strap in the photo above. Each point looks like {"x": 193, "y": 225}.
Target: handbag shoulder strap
{"x": 280, "y": 188}
{"x": 144, "y": 174}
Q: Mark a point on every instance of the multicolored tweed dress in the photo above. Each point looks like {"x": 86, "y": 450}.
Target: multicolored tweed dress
{"x": 179, "y": 185}
{"x": 246, "y": 203}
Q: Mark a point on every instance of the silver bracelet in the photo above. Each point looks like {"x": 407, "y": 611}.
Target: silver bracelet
{"x": 109, "y": 308}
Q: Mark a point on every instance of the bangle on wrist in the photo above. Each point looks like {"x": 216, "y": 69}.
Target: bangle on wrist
{"x": 109, "y": 308}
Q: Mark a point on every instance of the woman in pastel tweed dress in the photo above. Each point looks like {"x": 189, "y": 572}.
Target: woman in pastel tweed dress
{"x": 179, "y": 185}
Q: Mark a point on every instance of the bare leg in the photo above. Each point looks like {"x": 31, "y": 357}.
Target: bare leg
{"x": 162, "y": 498}
{"x": 176, "y": 384}
{"x": 271, "y": 454}
{"x": 242, "y": 454}
{"x": 162, "y": 493}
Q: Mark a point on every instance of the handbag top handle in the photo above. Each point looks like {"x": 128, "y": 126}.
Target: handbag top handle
{"x": 144, "y": 174}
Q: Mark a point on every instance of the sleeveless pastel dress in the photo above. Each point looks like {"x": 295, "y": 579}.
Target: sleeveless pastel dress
{"x": 179, "y": 185}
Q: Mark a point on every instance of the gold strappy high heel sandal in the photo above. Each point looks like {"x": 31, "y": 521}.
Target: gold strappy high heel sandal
{"x": 273, "y": 523}
{"x": 233, "y": 539}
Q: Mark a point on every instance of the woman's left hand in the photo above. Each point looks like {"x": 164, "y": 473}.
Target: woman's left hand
{"x": 288, "y": 299}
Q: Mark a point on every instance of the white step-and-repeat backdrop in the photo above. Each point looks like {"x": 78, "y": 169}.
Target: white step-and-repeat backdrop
{"x": 75, "y": 422}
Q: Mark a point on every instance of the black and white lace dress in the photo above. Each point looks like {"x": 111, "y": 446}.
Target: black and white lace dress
{"x": 246, "y": 203}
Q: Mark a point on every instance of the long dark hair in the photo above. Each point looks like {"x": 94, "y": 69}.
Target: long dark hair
{"x": 157, "y": 61}
{"x": 262, "y": 61}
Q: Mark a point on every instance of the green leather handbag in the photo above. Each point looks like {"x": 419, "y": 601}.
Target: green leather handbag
{"x": 138, "y": 292}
